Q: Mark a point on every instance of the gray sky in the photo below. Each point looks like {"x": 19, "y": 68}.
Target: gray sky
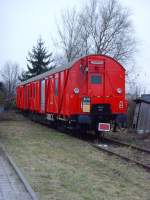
{"x": 141, "y": 15}
{"x": 22, "y": 21}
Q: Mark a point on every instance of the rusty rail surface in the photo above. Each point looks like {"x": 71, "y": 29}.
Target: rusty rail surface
{"x": 105, "y": 149}
{"x": 126, "y": 144}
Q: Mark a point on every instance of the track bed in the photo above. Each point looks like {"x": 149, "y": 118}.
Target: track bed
{"x": 65, "y": 168}
{"x": 126, "y": 151}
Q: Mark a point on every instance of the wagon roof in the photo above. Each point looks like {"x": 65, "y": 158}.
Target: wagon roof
{"x": 61, "y": 68}
{"x": 140, "y": 100}
{"x": 43, "y": 75}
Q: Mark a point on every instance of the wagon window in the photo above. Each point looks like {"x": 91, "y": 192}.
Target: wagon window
{"x": 96, "y": 79}
{"x": 56, "y": 87}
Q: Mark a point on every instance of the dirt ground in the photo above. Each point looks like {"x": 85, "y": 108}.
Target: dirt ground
{"x": 60, "y": 167}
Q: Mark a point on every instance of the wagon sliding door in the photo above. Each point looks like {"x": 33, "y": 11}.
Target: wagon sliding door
{"x": 43, "y": 96}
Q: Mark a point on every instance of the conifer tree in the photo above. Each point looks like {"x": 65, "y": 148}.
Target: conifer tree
{"x": 39, "y": 61}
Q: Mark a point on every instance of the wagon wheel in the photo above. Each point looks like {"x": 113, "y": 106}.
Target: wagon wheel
{"x": 61, "y": 126}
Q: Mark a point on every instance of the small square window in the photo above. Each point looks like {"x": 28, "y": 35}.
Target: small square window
{"x": 96, "y": 79}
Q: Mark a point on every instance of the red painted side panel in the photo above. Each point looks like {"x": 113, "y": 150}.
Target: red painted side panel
{"x": 64, "y": 93}
{"x": 20, "y": 97}
{"x": 37, "y": 97}
{"x": 49, "y": 95}
{"x": 56, "y": 93}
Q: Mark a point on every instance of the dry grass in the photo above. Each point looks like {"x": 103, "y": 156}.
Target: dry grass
{"x": 60, "y": 167}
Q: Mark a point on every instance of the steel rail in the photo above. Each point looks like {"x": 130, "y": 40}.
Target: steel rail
{"x": 147, "y": 167}
{"x": 126, "y": 144}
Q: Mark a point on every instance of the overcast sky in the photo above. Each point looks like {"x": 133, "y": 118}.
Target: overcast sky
{"x": 22, "y": 21}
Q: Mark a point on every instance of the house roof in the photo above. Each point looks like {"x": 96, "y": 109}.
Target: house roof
{"x": 144, "y": 98}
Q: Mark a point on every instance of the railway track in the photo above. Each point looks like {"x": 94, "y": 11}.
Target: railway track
{"x": 13, "y": 184}
{"x": 128, "y": 152}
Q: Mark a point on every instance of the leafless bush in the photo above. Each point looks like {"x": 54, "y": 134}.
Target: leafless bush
{"x": 9, "y": 74}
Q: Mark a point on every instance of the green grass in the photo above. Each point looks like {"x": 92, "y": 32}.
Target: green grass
{"x": 60, "y": 167}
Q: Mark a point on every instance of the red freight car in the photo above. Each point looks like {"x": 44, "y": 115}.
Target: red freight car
{"x": 89, "y": 93}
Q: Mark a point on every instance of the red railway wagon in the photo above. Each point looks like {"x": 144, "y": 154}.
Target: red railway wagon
{"x": 88, "y": 93}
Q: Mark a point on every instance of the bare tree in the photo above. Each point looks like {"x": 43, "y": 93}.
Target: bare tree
{"x": 101, "y": 28}
{"x": 60, "y": 60}
{"x": 69, "y": 34}
{"x": 111, "y": 29}
{"x": 9, "y": 74}
{"x": 2, "y": 94}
